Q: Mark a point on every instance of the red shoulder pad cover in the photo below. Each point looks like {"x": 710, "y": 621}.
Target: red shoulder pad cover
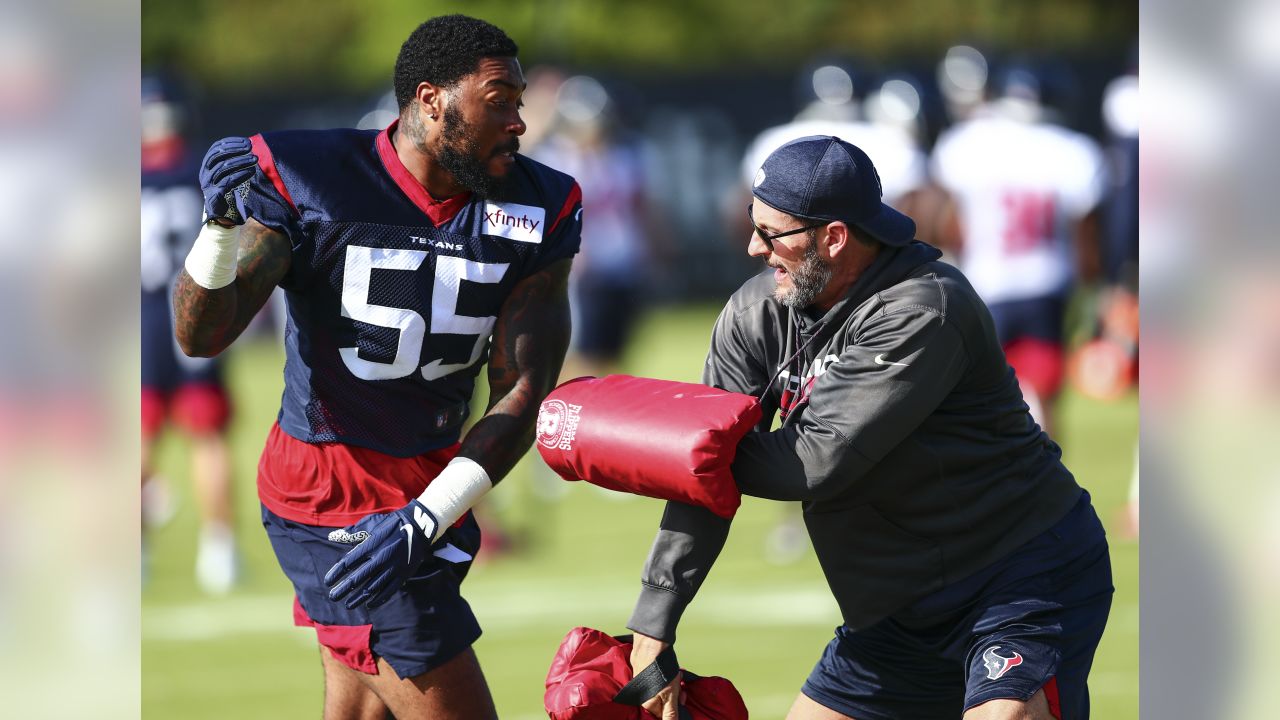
{"x": 658, "y": 438}
{"x": 590, "y": 668}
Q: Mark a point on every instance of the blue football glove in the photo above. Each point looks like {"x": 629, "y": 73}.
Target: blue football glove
{"x": 225, "y": 173}
{"x": 392, "y": 547}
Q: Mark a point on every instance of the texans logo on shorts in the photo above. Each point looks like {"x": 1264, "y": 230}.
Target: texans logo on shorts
{"x": 998, "y": 665}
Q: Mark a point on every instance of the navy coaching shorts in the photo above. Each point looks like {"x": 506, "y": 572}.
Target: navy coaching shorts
{"x": 422, "y": 627}
{"x": 1032, "y": 620}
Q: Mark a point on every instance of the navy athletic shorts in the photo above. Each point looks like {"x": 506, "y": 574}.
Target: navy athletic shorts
{"x": 1041, "y": 318}
{"x": 422, "y": 627}
{"x": 1031, "y": 620}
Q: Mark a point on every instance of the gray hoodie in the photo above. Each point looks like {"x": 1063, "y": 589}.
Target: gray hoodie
{"x": 904, "y": 435}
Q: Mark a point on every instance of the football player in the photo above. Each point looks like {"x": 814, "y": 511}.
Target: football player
{"x": 408, "y": 256}
{"x": 1025, "y": 193}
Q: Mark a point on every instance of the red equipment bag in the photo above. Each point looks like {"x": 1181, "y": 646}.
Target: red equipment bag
{"x": 590, "y": 679}
{"x": 658, "y": 438}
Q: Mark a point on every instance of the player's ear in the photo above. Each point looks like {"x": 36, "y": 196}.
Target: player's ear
{"x": 837, "y": 238}
{"x": 431, "y": 98}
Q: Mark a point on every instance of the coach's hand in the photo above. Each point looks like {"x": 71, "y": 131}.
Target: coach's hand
{"x": 225, "y": 173}
{"x": 392, "y": 546}
{"x": 645, "y": 650}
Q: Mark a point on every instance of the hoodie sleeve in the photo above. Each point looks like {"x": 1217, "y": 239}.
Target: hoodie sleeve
{"x": 895, "y": 372}
{"x": 690, "y": 538}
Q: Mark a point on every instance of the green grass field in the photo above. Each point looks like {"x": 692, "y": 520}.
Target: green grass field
{"x": 576, "y": 561}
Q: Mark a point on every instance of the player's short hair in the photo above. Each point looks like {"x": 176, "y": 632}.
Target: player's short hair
{"x": 443, "y": 50}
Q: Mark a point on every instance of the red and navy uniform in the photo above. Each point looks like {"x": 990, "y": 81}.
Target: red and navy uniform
{"x": 392, "y": 297}
{"x": 187, "y": 390}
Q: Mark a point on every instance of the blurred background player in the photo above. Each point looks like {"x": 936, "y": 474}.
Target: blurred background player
{"x": 188, "y": 392}
{"x": 578, "y": 129}
{"x": 888, "y": 130}
{"x": 962, "y": 76}
{"x": 1025, "y": 194}
{"x": 611, "y": 274}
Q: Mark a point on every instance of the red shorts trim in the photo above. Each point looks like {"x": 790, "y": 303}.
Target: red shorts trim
{"x": 349, "y": 644}
{"x": 1051, "y": 694}
{"x": 1037, "y": 363}
{"x": 334, "y": 484}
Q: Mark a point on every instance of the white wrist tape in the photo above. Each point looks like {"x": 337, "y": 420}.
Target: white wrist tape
{"x": 212, "y": 260}
{"x": 454, "y": 491}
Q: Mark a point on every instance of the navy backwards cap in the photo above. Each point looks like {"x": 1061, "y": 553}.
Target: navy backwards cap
{"x": 825, "y": 178}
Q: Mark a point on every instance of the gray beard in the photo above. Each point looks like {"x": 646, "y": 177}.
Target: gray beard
{"x": 808, "y": 280}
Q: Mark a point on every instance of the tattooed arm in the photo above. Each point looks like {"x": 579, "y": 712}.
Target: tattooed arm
{"x": 529, "y": 344}
{"x": 207, "y": 321}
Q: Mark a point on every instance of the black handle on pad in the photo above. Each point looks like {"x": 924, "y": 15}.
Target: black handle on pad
{"x": 650, "y": 680}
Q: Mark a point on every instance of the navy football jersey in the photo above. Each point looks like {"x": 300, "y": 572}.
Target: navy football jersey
{"x": 392, "y": 296}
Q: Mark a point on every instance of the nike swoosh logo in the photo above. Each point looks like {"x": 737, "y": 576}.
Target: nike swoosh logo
{"x": 881, "y": 361}
{"x": 408, "y": 530}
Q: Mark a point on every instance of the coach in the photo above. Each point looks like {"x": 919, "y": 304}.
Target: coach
{"x": 970, "y": 569}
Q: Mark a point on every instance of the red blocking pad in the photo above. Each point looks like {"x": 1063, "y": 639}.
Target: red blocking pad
{"x": 657, "y": 438}
{"x": 590, "y": 668}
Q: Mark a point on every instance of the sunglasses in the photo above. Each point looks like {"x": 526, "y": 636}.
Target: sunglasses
{"x": 768, "y": 239}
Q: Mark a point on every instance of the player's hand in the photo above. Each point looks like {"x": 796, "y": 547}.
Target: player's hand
{"x": 225, "y": 173}
{"x": 392, "y": 546}
{"x": 666, "y": 704}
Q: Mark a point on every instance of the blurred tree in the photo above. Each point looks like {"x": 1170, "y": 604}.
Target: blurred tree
{"x": 346, "y": 45}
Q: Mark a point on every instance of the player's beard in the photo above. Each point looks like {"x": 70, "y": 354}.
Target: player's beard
{"x": 809, "y": 278}
{"x": 460, "y": 155}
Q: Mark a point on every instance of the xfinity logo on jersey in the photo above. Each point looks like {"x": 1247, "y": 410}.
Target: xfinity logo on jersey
{"x": 513, "y": 221}
{"x": 997, "y": 665}
{"x": 557, "y": 424}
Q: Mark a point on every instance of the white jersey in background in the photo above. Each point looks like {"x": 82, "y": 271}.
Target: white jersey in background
{"x": 1021, "y": 187}
{"x": 894, "y": 152}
